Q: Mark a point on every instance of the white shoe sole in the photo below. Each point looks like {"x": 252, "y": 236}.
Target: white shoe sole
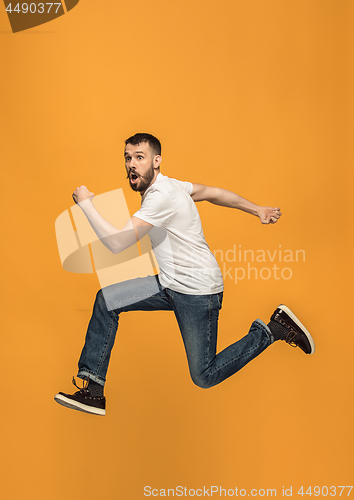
{"x": 299, "y": 324}
{"x": 75, "y": 405}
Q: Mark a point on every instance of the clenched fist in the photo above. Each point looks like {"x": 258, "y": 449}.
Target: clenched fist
{"x": 269, "y": 215}
{"x": 82, "y": 193}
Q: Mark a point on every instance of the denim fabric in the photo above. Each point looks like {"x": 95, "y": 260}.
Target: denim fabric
{"x": 197, "y": 317}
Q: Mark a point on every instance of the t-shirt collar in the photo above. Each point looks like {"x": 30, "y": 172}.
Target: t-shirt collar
{"x": 158, "y": 179}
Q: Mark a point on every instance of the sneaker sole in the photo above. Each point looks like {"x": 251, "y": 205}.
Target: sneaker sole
{"x": 299, "y": 324}
{"x": 75, "y": 405}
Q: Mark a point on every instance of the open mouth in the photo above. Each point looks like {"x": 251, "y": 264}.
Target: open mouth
{"x": 133, "y": 177}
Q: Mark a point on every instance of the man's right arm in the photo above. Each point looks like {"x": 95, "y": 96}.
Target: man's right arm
{"x": 116, "y": 240}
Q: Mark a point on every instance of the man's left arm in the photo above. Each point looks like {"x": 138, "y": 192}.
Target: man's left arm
{"x": 225, "y": 198}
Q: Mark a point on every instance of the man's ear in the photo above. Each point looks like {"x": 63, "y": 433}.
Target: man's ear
{"x": 157, "y": 161}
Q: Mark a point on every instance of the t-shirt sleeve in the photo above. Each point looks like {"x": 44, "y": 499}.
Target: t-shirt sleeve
{"x": 187, "y": 186}
{"x": 156, "y": 209}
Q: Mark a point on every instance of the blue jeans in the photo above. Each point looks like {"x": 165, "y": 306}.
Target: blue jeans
{"x": 197, "y": 317}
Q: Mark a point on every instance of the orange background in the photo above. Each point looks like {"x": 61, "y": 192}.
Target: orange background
{"x": 254, "y": 96}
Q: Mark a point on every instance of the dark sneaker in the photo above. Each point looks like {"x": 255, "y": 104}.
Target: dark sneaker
{"x": 292, "y": 330}
{"x": 82, "y": 400}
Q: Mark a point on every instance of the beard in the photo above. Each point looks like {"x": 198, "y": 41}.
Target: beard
{"x": 143, "y": 181}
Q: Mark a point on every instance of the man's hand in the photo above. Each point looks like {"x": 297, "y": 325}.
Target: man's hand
{"x": 82, "y": 193}
{"x": 269, "y": 215}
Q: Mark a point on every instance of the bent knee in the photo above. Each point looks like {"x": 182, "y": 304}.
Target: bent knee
{"x": 101, "y": 301}
{"x": 204, "y": 380}
{"x": 100, "y": 297}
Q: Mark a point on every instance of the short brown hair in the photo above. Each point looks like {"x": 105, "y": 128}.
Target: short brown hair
{"x": 153, "y": 142}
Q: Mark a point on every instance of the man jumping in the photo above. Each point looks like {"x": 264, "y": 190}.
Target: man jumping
{"x": 189, "y": 282}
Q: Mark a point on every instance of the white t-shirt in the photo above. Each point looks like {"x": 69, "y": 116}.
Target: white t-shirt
{"x": 186, "y": 263}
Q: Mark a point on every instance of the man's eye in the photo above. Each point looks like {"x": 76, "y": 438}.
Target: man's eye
{"x": 140, "y": 157}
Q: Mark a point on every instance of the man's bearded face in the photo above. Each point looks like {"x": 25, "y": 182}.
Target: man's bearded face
{"x": 139, "y": 164}
{"x": 139, "y": 182}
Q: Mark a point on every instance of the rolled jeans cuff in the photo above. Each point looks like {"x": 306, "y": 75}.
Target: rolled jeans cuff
{"x": 91, "y": 376}
{"x": 266, "y": 330}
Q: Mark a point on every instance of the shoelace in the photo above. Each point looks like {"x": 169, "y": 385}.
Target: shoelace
{"x": 289, "y": 339}
{"x": 290, "y": 336}
{"x": 81, "y": 389}
{"x": 85, "y": 388}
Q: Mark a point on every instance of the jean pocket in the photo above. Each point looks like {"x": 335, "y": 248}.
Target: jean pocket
{"x": 220, "y": 297}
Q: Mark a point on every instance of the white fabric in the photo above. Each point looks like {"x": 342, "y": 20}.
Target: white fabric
{"x": 186, "y": 263}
